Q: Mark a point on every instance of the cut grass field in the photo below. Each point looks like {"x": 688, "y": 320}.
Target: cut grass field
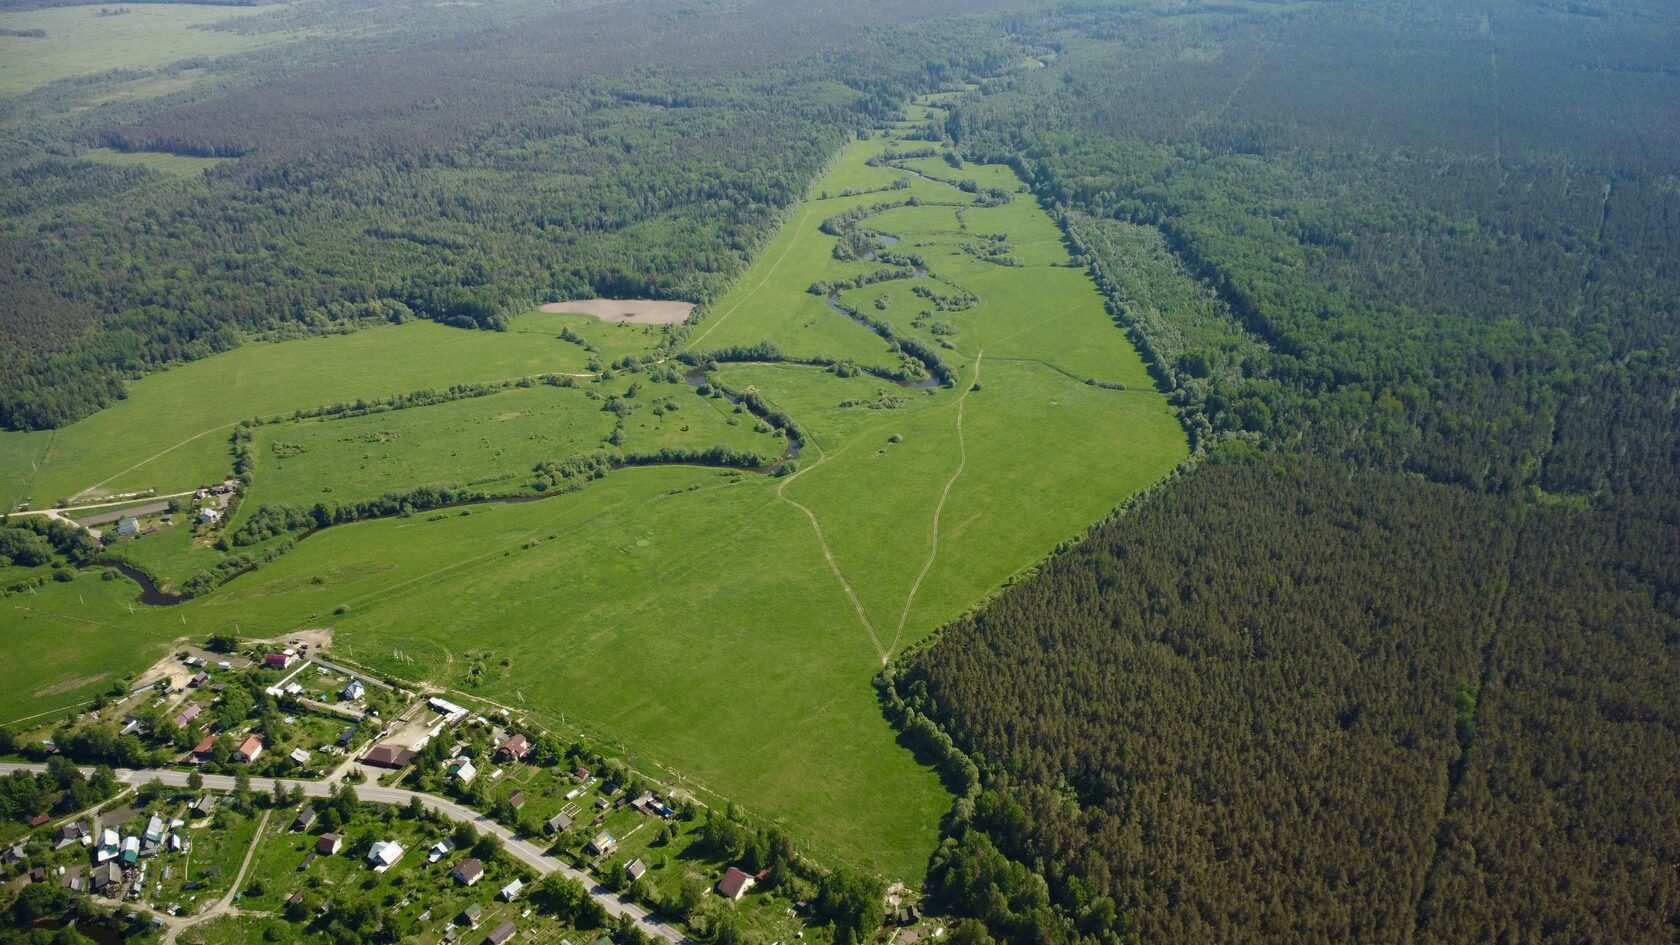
{"x": 79, "y": 41}
{"x": 721, "y": 626}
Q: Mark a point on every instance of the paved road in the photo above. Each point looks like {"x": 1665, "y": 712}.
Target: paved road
{"x": 528, "y": 853}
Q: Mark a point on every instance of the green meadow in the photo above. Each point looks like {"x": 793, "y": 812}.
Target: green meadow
{"x": 720, "y": 625}
{"x": 176, "y": 165}
{"x": 79, "y": 41}
{"x": 491, "y": 442}
{"x": 171, "y": 433}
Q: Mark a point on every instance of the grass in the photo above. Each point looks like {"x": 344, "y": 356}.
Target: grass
{"x": 176, "y": 165}
{"x": 171, "y": 433}
{"x": 70, "y": 641}
{"x": 80, "y": 42}
{"x": 720, "y": 626}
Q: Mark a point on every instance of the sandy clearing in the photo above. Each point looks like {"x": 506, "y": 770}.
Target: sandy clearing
{"x": 627, "y": 311}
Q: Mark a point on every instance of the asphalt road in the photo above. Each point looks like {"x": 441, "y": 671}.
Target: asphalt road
{"x": 528, "y": 853}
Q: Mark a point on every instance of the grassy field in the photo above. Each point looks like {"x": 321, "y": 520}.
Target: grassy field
{"x": 171, "y": 433}
{"x": 71, "y": 641}
{"x": 489, "y": 442}
{"x": 79, "y": 41}
{"x": 719, "y": 625}
{"x": 177, "y": 165}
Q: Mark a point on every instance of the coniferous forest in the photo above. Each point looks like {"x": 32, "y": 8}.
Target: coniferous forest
{"x": 1394, "y": 657}
{"x": 1397, "y": 661}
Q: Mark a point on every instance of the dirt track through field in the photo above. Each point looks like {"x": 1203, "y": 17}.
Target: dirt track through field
{"x": 833, "y": 565}
{"x": 939, "y": 510}
{"x": 156, "y": 456}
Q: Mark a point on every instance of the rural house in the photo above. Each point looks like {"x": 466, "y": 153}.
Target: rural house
{"x": 71, "y": 832}
{"x": 329, "y": 844}
{"x": 468, "y": 872}
{"x": 277, "y": 661}
{"x": 388, "y": 756}
{"x": 501, "y": 933}
{"x": 560, "y": 823}
{"x": 300, "y": 755}
{"x": 514, "y": 749}
{"x": 353, "y": 691}
{"x": 735, "y": 884}
{"x": 470, "y": 915}
{"x": 248, "y": 749}
{"x": 511, "y": 890}
{"x": 463, "y": 771}
{"x": 128, "y": 526}
{"x": 106, "y": 876}
{"x": 384, "y": 854}
{"x": 189, "y": 713}
{"x": 603, "y": 844}
{"x": 305, "y": 819}
{"x": 635, "y": 869}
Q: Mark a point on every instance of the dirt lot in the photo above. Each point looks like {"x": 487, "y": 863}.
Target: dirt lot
{"x": 628, "y": 311}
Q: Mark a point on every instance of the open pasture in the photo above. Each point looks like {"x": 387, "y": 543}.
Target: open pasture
{"x": 175, "y": 165}
{"x": 79, "y": 40}
{"x": 491, "y": 442}
{"x": 171, "y": 433}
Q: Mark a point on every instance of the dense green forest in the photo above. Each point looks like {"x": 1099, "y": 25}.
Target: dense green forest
{"x": 1397, "y": 662}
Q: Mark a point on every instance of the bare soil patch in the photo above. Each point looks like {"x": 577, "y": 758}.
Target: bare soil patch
{"x": 627, "y": 311}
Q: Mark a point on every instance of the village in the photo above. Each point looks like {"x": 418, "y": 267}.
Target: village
{"x": 136, "y": 515}
{"x": 263, "y": 784}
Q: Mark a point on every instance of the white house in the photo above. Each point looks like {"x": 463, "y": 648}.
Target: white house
{"x": 384, "y": 855}
{"x": 110, "y": 845}
{"x": 353, "y": 691}
{"x": 463, "y": 771}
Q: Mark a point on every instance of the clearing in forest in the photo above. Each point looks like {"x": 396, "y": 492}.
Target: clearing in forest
{"x": 958, "y": 402}
{"x": 627, "y": 311}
